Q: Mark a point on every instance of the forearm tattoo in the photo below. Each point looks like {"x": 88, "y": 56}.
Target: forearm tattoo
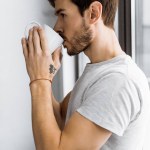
{"x": 52, "y": 69}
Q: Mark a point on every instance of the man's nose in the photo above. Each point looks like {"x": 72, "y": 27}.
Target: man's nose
{"x": 58, "y": 27}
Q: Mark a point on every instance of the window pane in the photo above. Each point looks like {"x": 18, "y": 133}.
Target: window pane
{"x": 143, "y": 35}
{"x": 142, "y": 41}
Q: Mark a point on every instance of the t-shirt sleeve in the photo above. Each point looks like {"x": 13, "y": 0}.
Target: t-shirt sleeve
{"x": 108, "y": 102}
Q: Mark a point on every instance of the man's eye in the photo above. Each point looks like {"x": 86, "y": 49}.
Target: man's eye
{"x": 62, "y": 15}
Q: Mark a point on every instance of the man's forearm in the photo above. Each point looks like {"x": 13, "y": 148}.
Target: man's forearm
{"x": 57, "y": 112}
{"x": 45, "y": 128}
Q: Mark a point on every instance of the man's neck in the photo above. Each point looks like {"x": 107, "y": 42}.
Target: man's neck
{"x": 104, "y": 46}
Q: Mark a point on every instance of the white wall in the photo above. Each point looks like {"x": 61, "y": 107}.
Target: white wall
{"x": 15, "y": 102}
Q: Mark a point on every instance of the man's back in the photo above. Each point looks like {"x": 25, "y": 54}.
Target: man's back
{"x": 114, "y": 94}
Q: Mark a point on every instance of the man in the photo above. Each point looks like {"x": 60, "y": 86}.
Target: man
{"x": 108, "y": 108}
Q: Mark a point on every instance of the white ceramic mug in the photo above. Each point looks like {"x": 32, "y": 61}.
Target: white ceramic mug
{"x": 54, "y": 39}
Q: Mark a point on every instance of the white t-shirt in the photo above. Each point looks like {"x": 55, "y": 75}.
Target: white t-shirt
{"x": 115, "y": 95}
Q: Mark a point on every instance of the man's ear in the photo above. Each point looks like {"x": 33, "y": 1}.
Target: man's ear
{"x": 95, "y": 11}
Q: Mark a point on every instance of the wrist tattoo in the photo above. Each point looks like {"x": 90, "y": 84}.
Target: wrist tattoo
{"x": 52, "y": 69}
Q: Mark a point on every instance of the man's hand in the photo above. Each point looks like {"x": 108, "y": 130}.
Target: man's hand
{"x": 39, "y": 62}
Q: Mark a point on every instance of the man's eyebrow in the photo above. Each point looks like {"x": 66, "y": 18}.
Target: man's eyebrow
{"x": 58, "y": 11}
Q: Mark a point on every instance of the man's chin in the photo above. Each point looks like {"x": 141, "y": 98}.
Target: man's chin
{"x": 70, "y": 51}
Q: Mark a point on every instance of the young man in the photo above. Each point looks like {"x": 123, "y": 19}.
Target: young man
{"x": 108, "y": 108}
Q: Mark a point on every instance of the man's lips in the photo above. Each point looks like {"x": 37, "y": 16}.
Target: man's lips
{"x": 64, "y": 43}
{"x": 63, "y": 36}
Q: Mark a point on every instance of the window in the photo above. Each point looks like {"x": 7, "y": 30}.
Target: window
{"x": 142, "y": 40}
{"x": 142, "y": 44}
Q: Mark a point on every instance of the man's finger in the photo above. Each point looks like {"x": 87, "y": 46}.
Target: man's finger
{"x": 57, "y": 56}
{"x": 24, "y": 47}
{"x": 36, "y": 41}
{"x": 43, "y": 39}
{"x": 30, "y": 42}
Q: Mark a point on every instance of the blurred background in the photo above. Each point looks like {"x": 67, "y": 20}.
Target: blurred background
{"x": 132, "y": 27}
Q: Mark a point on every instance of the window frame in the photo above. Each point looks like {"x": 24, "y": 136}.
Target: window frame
{"x": 125, "y": 26}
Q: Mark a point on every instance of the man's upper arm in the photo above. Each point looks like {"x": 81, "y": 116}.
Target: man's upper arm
{"x": 82, "y": 134}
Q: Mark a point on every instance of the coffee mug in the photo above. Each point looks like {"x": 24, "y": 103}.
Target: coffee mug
{"x": 54, "y": 39}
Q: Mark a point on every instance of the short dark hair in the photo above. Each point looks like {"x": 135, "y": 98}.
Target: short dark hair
{"x": 109, "y": 9}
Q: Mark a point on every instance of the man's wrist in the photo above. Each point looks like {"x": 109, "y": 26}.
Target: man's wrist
{"x": 40, "y": 88}
{"x": 40, "y": 84}
{"x": 40, "y": 80}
